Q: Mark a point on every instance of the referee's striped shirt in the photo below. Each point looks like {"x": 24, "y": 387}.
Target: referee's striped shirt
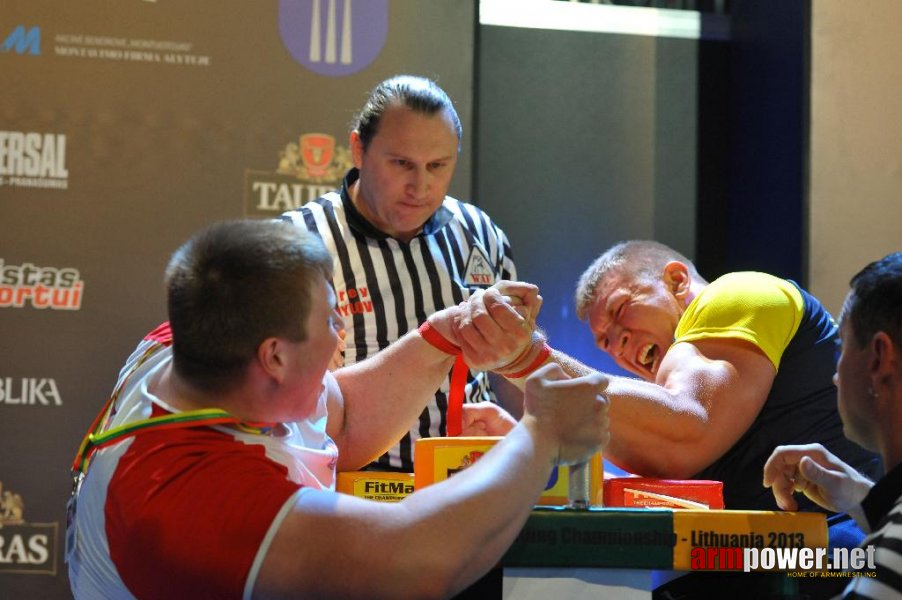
{"x": 385, "y": 287}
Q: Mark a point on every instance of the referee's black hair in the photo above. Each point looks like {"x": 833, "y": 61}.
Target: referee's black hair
{"x": 419, "y": 94}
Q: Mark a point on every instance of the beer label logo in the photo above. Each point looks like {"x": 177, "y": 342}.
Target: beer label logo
{"x": 11, "y": 507}
{"x": 334, "y": 37}
{"x": 315, "y": 159}
{"x": 24, "y": 547}
{"x": 307, "y": 169}
{"x": 478, "y": 272}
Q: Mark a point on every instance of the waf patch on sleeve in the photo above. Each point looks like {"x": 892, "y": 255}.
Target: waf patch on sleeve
{"x": 479, "y": 271}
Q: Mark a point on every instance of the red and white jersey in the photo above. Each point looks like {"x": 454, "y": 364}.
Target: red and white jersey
{"x": 187, "y": 512}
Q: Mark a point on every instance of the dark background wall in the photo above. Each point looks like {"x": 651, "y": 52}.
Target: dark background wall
{"x": 585, "y": 139}
{"x": 768, "y": 125}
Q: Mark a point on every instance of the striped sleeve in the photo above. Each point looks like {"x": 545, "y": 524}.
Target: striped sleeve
{"x": 887, "y": 580}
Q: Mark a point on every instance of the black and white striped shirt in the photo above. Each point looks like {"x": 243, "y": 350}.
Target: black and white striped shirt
{"x": 882, "y": 508}
{"x": 386, "y": 287}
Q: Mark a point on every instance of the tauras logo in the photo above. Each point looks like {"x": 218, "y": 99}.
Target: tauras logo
{"x": 307, "y": 169}
{"x": 31, "y": 159}
{"x": 40, "y": 287}
{"x": 24, "y": 547}
{"x": 29, "y": 391}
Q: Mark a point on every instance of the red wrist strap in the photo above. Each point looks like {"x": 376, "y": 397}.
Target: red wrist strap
{"x": 543, "y": 355}
{"x": 437, "y": 340}
{"x": 457, "y": 391}
{"x": 456, "y": 395}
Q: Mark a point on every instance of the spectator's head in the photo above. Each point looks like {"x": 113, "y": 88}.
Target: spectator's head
{"x": 869, "y": 370}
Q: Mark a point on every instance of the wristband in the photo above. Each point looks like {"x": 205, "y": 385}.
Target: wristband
{"x": 437, "y": 340}
{"x": 543, "y": 355}
{"x": 456, "y": 393}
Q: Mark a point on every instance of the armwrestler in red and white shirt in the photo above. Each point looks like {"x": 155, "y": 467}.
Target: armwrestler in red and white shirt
{"x": 203, "y": 501}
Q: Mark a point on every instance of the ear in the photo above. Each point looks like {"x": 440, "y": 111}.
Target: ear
{"x": 885, "y": 359}
{"x": 271, "y": 359}
{"x": 356, "y": 148}
{"x": 677, "y": 278}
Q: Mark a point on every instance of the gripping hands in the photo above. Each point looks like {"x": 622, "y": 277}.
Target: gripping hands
{"x": 494, "y": 328}
{"x": 571, "y": 413}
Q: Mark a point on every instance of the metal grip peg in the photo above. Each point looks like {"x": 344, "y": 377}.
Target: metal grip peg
{"x": 579, "y": 485}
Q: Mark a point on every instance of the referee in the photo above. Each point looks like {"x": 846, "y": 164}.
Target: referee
{"x": 402, "y": 249}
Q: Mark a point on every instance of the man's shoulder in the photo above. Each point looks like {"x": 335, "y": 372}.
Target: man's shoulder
{"x": 754, "y": 290}
{"x": 314, "y": 213}
{"x": 201, "y": 453}
{"x": 467, "y": 213}
{"x": 332, "y": 198}
{"x": 749, "y": 279}
{"x": 329, "y": 199}
{"x": 453, "y": 203}
{"x": 744, "y": 300}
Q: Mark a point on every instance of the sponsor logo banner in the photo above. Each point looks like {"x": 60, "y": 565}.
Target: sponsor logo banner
{"x": 29, "y": 548}
{"x": 30, "y": 391}
{"x": 124, "y": 49}
{"x": 23, "y": 40}
{"x": 40, "y": 287}
{"x": 334, "y": 37}
{"x": 26, "y": 40}
{"x": 31, "y": 159}
{"x": 307, "y": 169}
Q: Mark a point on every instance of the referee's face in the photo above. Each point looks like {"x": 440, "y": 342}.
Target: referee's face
{"x": 405, "y": 171}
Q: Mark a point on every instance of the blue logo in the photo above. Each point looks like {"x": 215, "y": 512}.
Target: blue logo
{"x": 334, "y": 37}
{"x": 23, "y": 41}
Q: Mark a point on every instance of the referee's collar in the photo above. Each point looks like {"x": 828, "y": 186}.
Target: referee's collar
{"x": 359, "y": 224}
